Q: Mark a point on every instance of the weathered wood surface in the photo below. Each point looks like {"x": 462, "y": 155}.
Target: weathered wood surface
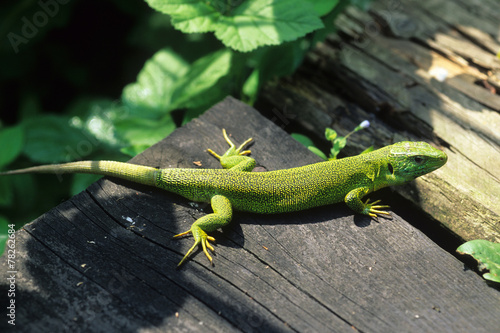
{"x": 385, "y": 65}
{"x": 105, "y": 260}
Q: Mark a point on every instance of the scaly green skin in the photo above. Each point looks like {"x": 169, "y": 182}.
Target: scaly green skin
{"x": 236, "y": 188}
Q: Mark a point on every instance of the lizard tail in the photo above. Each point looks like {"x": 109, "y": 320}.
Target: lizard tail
{"x": 135, "y": 173}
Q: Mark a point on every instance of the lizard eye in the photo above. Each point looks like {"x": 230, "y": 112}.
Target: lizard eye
{"x": 418, "y": 159}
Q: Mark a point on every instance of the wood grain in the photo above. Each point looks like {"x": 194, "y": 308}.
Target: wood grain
{"x": 105, "y": 260}
{"x": 418, "y": 70}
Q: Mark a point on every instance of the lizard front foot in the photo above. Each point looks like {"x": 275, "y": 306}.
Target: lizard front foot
{"x": 373, "y": 209}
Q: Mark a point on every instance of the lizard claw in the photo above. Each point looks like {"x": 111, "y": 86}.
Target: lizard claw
{"x": 374, "y": 209}
{"x": 200, "y": 237}
{"x": 233, "y": 151}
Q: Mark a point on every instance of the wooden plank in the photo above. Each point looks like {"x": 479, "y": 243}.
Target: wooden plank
{"x": 421, "y": 70}
{"x": 105, "y": 260}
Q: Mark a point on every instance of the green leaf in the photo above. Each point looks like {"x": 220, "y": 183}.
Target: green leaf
{"x": 4, "y": 234}
{"x": 188, "y": 15}
{"x": 51, "y": 139}
{"x": 81, "y": 182}
{"x": 18, "y": 193}
{"x": 329, "y": 21}
{"x": 246, "y": 26}
{"x": 141, "y": 133}
{"x": 192, "y": 113}
{"x": 323, "y": 7}
{"x": 6, "y": 195}
{"x": 199, "y": 85}
{"x": 266, "y": 22}
{"x": 134, "y": 150}
{"x": 96, "y": 117}
{"x": 152, "y": 93}
{"x": 340, "y": 142}
{"x": 330, "y": 134}
{"x": 290, "y": 57}
{"x": 251, "y": 86}
{"x": 11, "y": 141}
{"x": 318, "y": 152}
{"x": 487, "y": 255}
{"x": 306, "y": 141}
{"x": 167, "y": 83}
{"x": 23, "y": 191}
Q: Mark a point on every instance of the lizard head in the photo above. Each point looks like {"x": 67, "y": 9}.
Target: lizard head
{"x": 408, "y": 160}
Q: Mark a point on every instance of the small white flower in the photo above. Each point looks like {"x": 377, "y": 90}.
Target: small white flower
{"x": 364, "y": 124}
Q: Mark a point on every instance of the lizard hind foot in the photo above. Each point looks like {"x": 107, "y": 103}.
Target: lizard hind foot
{"x": 232, "y": 151}
{"x": 200, "y": 237}
{"x": 232, "y": 145}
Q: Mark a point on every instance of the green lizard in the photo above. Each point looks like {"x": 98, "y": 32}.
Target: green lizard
{"x": 236, "y": 188}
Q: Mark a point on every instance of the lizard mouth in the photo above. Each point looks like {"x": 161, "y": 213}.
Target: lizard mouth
{"x": 441, "y": 159}
{"x": 435, "y": 162}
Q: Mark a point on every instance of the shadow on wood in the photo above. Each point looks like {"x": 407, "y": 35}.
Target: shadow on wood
{"x": 105, "y": 260}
